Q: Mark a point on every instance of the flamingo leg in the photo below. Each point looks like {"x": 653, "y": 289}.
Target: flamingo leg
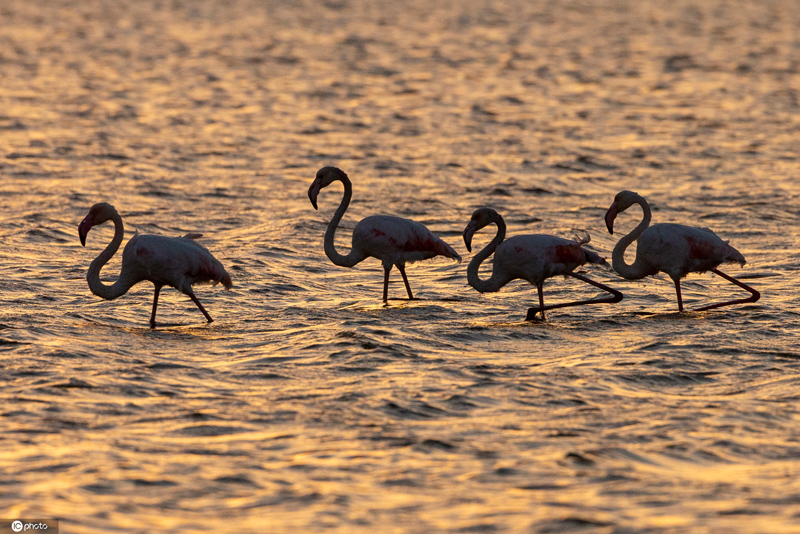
{"x": 616, "y": 297}
{"x": 202, "y": 309}
{"x": 155, "y": 305}
{"x": 754, "y": 295}
{"x": 533, "y": 311}
{"x": 386, "y": 284}
{"x": 402, "y": 270}
{"x": 540, "y": 290}
{"x": 678, "y": 291}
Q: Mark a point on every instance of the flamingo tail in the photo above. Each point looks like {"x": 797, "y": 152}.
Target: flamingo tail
{"x": 449, "y": 252}
{"x": 593, "y": 257}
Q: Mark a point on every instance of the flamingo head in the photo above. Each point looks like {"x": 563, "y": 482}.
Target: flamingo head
{"x": 325, "y": 177}
{"x": 98, "y": 214}
{"x": 481, "y": 217}
{"x": 623, "y": 201}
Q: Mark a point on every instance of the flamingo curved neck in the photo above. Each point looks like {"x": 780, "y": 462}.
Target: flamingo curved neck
{"x": 637, "y": 269}
{"x": 493, "y": 283}
{"x": 330, "y": 249}
{"x": 121, "y": 286}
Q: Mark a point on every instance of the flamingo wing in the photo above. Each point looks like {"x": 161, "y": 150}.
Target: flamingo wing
{"x": 536, "y": 257}
{"x": 395, "y": 240}
{"x": 175, "y": 261}
{"x": 678, "y": 249}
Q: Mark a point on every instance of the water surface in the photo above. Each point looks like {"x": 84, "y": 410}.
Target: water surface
{"x": 307, "y": 406}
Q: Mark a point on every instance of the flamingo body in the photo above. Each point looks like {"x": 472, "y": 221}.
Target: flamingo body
{"x": 537, "y": 257}
{"x": 678, "y": 250}
{"x": 674, "y": 249}
{"x": 534, "y": 258}
{"x": 178, "y": 262}
{"x": 395, "y": 241}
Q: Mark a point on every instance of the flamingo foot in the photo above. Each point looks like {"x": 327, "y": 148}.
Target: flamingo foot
{"x": 532, "y": 315}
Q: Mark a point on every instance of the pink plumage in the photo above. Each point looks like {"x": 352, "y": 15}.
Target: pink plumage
{"x": 675, "y": 249}
{"x": 178, "y": 262}
{"x": 393, "y": 240}
{"x": 397, "y": 240}
{"x": 529, "y": 257}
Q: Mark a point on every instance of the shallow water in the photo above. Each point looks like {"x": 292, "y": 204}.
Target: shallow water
{"x": 307, "y": 406}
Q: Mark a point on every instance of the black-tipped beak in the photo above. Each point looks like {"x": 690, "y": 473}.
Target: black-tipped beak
{"x": 313, "y": 192}
{"x": 469, "y": 231}
{"x": 83, "y": 229}
{"x": 611, "y": 214}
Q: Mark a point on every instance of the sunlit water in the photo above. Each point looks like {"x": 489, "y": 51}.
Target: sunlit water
{"x": 309, "y": 407}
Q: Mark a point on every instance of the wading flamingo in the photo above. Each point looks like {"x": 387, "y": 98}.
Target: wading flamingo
{"x": 529, "y": 257}
{"x": 393, "y": 240}
{"x": 672, "y": 248}
{"x": 165, "y": 261}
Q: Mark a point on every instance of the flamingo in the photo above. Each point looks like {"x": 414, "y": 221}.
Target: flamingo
{"x": 529, "y": 257}
{"x": 393, "y": 240}
{"x": 174, "y": 261}
{"x": 672, "y": 248}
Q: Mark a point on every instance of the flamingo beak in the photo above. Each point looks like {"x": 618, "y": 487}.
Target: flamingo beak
{"x": 313, "y": 191}
{"x": 469, "y": 231}
{"x": 84, "y": 227}
{"x": 611, "y": 214}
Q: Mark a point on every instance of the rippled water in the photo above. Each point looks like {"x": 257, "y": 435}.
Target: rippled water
{"x": 309, "y": 407}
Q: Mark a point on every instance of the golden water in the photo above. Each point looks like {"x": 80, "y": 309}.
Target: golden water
{"x": 307, "y": 406}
